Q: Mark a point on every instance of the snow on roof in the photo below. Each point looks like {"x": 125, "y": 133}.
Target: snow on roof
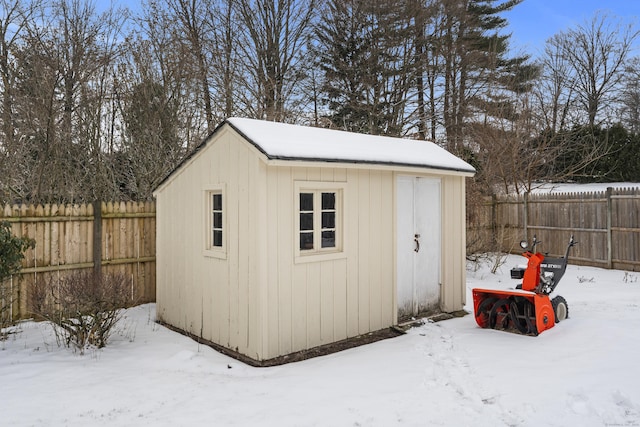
{"x": 283, "y": 141}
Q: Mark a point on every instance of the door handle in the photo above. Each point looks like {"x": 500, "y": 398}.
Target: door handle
{"x": 415, "y": 239}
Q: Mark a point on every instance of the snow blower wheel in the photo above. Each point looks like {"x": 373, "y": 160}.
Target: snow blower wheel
{"x": 560, "y": 308}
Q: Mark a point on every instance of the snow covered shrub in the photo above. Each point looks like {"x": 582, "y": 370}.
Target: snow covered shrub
{"x": 12, "y": 250}
{"x": 82, "y": 307}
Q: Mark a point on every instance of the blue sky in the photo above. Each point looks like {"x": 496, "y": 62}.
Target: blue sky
{"x": 534, "y": 21}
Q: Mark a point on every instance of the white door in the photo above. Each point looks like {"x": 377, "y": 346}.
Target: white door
{"x": 418, "y": 245}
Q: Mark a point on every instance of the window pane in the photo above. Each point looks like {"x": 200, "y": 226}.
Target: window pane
{"x": 217, "y": 202}
{"x": 328, "y": 220}
{"x": 328, "y": 201}
{"x": 217, "y": 238}
{"x": 306, "y": 201}
{"x": 217, "y": 220}
{"x": 306, "y": 221}
{"x": 328, "y": 239}
{"x": 306, "y": 241}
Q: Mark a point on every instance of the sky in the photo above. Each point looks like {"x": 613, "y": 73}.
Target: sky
{"x": 532, "y": 22}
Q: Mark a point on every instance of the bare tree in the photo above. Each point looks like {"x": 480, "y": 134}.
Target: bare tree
{"x": 556, "y": 89}
{"x": 15, "y": 17}
{"x": 428, "y": 67}
{"x": 274, "y": 36}
{"x": 225, "y": 61}
{"x": 158, "y": 113}
{"x": 630, "y": 96}
{"x": 65, "y": 61}
{"x": 597, "y": 51}
{"x": 190, "y": 18}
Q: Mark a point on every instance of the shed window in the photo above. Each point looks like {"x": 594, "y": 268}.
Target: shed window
{"x": 215, "y": 222}
{"x": 318, "y": 220}
{"x": 216, "y": 216}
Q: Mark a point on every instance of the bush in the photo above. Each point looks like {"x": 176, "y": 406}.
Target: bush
{"x": 83, "y": 307}
{"x": 11, "y": 255}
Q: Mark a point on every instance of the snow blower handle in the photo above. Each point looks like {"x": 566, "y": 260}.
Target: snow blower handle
{"x": 535, "y": 243}
{"x": 571, "y": 244}
{"x": 525, "y": 245}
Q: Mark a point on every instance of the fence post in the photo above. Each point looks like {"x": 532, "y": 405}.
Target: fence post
{"x": 97, "y": 238}
{"x": 609, "y": 237}
{"x": 526, "y": 215}
{"x": 494, "y": 223}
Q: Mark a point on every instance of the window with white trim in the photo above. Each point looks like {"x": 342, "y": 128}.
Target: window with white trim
{"x": 319, "y": 219}
{"x": 215, "y": 222}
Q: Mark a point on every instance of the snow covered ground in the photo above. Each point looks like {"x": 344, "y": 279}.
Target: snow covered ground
{"x": 583, "y": 372}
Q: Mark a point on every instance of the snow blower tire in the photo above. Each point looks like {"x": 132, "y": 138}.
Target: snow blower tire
{"x": 560, "y": 308}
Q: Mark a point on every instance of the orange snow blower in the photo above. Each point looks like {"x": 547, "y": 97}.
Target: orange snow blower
{"x": 528, "y": 309}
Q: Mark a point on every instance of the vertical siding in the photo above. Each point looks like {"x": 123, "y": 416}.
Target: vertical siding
{"x": 217, "y": 299}
{"x": 376, "y": 243}
{"x": 233, "y": 240}
{"x": 353, "y": 244}
{"x": 218, "y": 271}
{"x": 340, "y": 287}
{"x": 315, "y": 303}
{"x": 363, "y": 237}
{"x": 387, "y": 256}
{"x": 453, "y": 244}
{"x": 273, "y": 340}
{"x": 306, "y": 285}
{"x": 283, "y": 258}
{"x": 256, "y": 200}
{"x": 264, "y": 229}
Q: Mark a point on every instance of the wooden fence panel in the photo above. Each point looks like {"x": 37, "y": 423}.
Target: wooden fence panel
{"x": 606, "y": 225}
{"x": 625, "y": 228}
{"x": 64, "y": 244}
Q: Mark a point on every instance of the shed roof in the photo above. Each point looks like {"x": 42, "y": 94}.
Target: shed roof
{"x": 291, "y": 142}
{"x": 282, "y": 141}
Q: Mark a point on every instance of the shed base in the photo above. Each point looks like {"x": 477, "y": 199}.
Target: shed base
{"x": 297, "y": 356}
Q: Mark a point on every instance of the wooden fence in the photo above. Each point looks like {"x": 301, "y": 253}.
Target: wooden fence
{"x": 606, "y": 224}
{"x": 121, "y": 236}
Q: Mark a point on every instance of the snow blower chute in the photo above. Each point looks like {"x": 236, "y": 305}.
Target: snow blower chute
{"x": 528, "y": 309}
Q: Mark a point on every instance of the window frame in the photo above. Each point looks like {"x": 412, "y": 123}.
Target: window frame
{"x": 319, "y": 253}
{"x": 210, "y": 249}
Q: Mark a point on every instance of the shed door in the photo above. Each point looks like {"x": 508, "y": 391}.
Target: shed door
{"x": 418, "y": 245}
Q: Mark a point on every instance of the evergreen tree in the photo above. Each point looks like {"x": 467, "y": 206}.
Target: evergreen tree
{"x": 619, "y": 161}
{"x": 476, "y": 64}
{"x": 364, "y": 58}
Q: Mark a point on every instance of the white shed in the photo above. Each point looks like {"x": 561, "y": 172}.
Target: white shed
{"x": 274, "y": 239}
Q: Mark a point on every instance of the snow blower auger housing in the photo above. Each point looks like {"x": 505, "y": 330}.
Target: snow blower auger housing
{"x": 528, "y": 309}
